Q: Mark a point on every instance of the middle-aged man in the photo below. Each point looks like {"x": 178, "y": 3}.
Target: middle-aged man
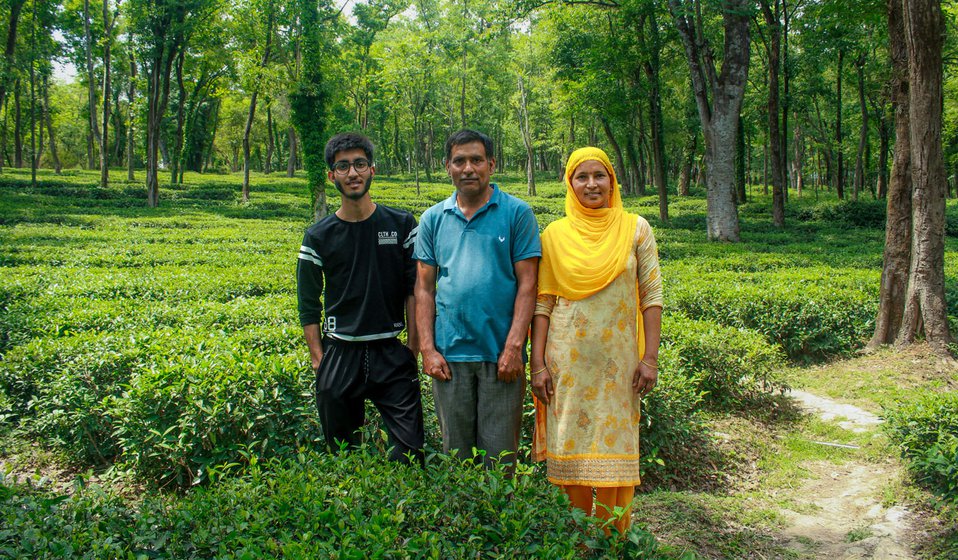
{"x": 364, "y": 252}
{"x": 478, "y": 254}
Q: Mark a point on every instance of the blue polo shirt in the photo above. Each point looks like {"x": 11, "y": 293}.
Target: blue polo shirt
{"x": 476, "y": 282}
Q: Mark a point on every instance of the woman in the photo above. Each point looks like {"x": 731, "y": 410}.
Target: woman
{"x": 595, "y": 340}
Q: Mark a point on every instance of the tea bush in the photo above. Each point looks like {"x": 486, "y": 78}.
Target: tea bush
{"x": 729, "y": 366}
{"x": 811, "y": 313}
{"x": 926, "y": 432}
{"x": 208, "y": 408}
{"x": 321, "y": 506}
{"x": 859, "y": 213}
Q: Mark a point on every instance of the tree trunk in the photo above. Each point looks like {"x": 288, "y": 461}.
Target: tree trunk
{"x": 619, "y": 160}
{"x": 740, "y": 195}
{"x": 774, "y": 133}
{"x": 158, "y": 96}
{"x": 17, "y": 128}
{"x": 720, "y": 114}
{"x": 48, "y": 118}
{"x": 526, "y": 138}
{"x": 686, "y": 172}
{"x": 246, "y": 131}
{"x": 840, "y": 175}
{"x": 131, "y": 97}
{"x": 268, "y": 164}
{"x": 252, "y": 102}
{"x": 635, "y": 166}
{"x": 33, "y": 96}
{"x": 291, "y": 162}
{"x": 105, "y": 140}
{"x": 176, "y": 160}
{"x": 91, "y": 83}
{"x": 786, "y": 99}
{"x": 925, "y": 307}
{"x": 859, "y": 184}
{"x": 897, "y": 254}
{"x": 798, "y": 146}
{"x": 652, "y": 68}
{"x": 15, "y": 8}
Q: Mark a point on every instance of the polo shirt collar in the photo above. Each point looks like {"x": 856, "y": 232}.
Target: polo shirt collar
{"x": 449, "y": 205}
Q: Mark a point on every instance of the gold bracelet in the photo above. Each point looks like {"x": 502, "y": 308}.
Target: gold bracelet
{"x": 655, "y": 367}
{"x": 539, "y": 371}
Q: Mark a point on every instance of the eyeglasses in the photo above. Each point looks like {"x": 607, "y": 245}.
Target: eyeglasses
{"x": 342, "y": 167}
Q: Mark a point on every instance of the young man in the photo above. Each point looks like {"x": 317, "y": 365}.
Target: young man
{"x": 478, "y": 254}
{"x": 363, "y": 256}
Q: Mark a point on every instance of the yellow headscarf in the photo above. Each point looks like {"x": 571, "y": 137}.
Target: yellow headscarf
{"x": 583, "y": 252}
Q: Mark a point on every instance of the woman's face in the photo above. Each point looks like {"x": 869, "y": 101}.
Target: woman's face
{"x": 592, "y": 184}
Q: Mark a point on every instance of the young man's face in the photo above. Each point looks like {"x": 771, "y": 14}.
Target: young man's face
{"x": 351, "y": 182}
{"x": 470, "y": 168}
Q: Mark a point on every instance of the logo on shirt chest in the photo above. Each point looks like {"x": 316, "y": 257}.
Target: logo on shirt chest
{"x": 389, "y": 238}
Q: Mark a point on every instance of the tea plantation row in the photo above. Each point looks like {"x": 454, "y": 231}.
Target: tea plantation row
{"x": 164, "y": 342}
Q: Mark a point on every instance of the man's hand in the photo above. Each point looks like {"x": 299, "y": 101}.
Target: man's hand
{"x": 435, "y": 366}
{"x": 542, "y": 386}
{"x": 510, "y": 365}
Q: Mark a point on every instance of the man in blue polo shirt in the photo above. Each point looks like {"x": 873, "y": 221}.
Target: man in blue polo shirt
{"x": 478, "y": 254}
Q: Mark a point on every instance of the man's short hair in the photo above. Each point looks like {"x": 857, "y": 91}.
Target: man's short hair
{"x": 348, "y": 141}
{"x": 467, "y": 136}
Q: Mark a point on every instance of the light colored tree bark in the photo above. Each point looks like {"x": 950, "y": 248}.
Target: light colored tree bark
{"x": 718, "y": 98}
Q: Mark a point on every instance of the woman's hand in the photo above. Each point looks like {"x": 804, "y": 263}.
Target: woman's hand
{"x": 542, "y": 385}
{"x": 645, "y": 377}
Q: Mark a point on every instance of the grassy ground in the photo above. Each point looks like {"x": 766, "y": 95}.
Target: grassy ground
{"x": 83, "y": 263}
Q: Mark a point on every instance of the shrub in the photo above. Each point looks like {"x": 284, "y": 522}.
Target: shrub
{"x": 57, "y": 389}
{"x": 860, "y": 213}
{"x": 926, "y": 431}
{"x": 730, "y": 366}
{"x": 211, "y": 409}
{"x": 811, "y": 314}
{"x": 673, "y": 428}
{"x": 320, "y": 506}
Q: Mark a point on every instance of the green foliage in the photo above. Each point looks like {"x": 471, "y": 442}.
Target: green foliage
{"x": 167, "y": 404}
{"x": 926, "y": 431}
{"x": 61, "y": 388}
{"x": 858, "y": 213}
{"x": 211, "y": 409}
{"x": 811, "y": 313}
{"x": 320, "y": 506}
{"x": 730, "y": 367}
{"x": 673, "y": 428}
{"x": 309, "y": 98}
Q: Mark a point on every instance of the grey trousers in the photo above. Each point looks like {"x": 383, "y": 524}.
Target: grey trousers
{"x": 475, "y": 409}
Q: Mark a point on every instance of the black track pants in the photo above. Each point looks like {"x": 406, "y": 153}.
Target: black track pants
{"x": 383, "y": 371}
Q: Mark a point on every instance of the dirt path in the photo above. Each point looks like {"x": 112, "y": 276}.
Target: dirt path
{"x": 839, "y": 511}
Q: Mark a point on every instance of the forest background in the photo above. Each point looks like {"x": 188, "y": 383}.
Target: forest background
{"x": 216, "y": 86}
{"x": 161, "y": 158}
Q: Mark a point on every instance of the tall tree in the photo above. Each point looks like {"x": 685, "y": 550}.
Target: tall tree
{"x": 94, "y": 131}
{"x": 270, "y": 14}
{"x": 308, "y": 102}
{"x": 925, "y": 308}
{"x": 108, "y": 23}
{"x": 161, "y": 29}
{"x": 718, "y": 97}
{"x": 897, "y": 254}
{"x": 773, "y": 46}
{"x": 527, "y": 139}
{"x": 6, "y": 72}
